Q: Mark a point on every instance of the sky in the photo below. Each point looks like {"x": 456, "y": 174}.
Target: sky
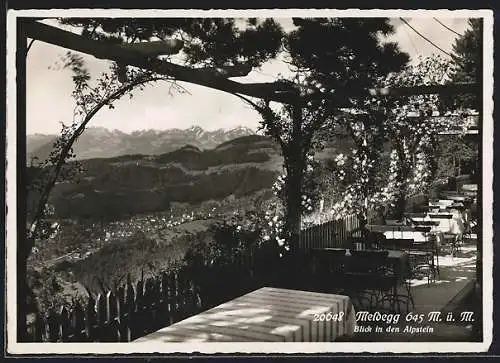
{"x": 49, "y": 102}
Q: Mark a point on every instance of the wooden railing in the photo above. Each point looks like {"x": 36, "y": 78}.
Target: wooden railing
{"x": 338, "y": 233}
{"x": 335, "y": 233}
{"x": 136, "y": 309}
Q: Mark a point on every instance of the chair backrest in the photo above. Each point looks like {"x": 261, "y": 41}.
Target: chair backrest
{"x": 370, "y": 262}
{"x": 424, "y": 224}
{"x": 416, "y": 215}
{"x": 334, "y": 252}
{"x": 328, "y": 260}
{"x": 428, "y": 246}
{"x": 371, "y": 254}
{"x": 423, "y": 228}
{"x": 393, "y": 222}
{"x": 329, "y": 254}
{"x": 380, "y": 227}
{"x": 401, "y": 244}
{"x": 441, "y": 216}
{"x": 406, "y": 229}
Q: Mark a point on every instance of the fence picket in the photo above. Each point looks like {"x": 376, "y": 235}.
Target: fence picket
{"x": 53, "y": 326}
{"x": 90, "y": 319}
{"x": 150, "y": 305}
{"x": 101, "y": 316}
{"x": 112, "y": 328}
{"x": 171, "y": 297}
{"x": 77, "y": 323}
{"x": 38, "y": 331}
{"x": 64, "y": 323}
{"x": 129, "y": 310}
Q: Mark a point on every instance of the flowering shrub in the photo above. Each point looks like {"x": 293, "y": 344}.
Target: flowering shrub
{"x": 413, "y": 123}
{"x": 310, "y": 191}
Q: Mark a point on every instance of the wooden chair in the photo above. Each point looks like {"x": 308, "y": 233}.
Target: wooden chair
{"x": 420, "y": 254}
{"x": 328, "y": 269}
{"x": 364, "y": 277}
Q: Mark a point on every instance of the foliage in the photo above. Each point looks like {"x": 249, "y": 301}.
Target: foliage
{"x": 349, "y": 55}
{"x": 214, "y": 42}
{"x": 455, "y": 156}
{"x": 468, "y": 54}
{"x": 413, "y": 124}
{"x": 356, "y": 175}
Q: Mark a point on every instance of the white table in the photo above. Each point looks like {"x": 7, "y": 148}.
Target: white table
{"x": 470, "y": 187}
{"x": 416, "y": 236}
{"x": 442, "y": 203}
{"x": 266, "y": 315}
{"x": 453, "y": 225}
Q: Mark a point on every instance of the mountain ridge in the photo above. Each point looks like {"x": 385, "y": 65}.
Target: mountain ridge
{"x": 100, "y": 142}
{"x": 121, "y": 186}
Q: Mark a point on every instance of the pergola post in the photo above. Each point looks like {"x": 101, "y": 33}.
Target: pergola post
{"x": 22, "y": 288}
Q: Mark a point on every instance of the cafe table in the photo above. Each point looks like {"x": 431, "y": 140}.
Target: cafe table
{"x": 470, "y": 187}
{"x": 266, "y": 315}
{"x": 416, "y": 236}
{"x": 458, "y": 198}
{"x": 450, "y": 222}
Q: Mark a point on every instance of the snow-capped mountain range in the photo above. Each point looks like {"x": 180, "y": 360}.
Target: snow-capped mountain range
{"x": 99, "y": 142}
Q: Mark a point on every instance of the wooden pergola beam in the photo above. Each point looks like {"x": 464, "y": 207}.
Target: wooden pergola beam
{"x": 272, "y": 91}
{"x": 100, "y": 50}
{"x": 447, "y": 89}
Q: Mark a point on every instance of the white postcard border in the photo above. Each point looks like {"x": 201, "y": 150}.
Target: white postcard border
{"x": 14, "y": 347}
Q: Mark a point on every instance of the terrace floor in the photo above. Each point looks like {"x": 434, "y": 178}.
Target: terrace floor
{"x": 451, "y": 292}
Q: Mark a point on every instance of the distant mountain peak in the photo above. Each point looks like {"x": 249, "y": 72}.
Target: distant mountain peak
{"x": 100, "y": 142}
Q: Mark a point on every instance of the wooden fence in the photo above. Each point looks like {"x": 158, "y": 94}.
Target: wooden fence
{"x": 135, "y": 310}
{"x": 338, "y": 233}
{"x": 130, "y": 312}
{"x": 335, "y": 233}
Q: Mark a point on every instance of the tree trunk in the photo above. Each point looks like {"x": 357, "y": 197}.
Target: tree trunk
{"x": 404, "y": 173}
{"x": 363, "y": 221}
{"x": 293, "y": 206}
{"x": 400, "y": 206}
{"x": 292, "y": 264}
{"x": 294, "y": 165}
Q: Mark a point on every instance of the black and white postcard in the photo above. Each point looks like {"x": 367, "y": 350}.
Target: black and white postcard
{"x": 255, "y": 181}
